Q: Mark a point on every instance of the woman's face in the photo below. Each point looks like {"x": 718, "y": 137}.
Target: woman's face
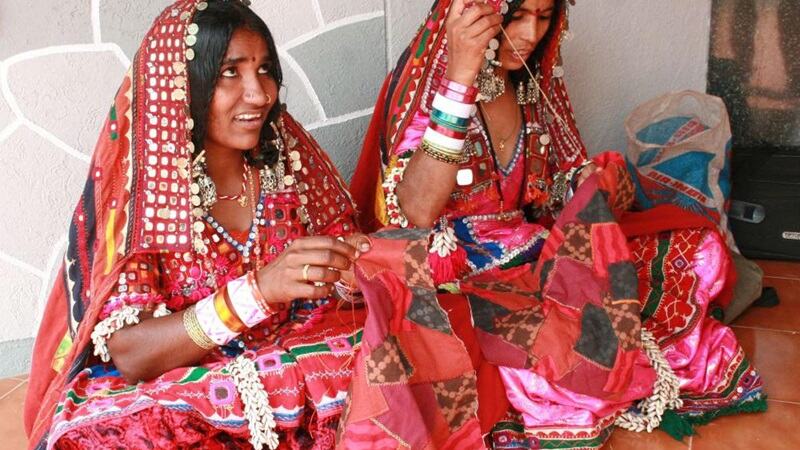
{"x": 527, "y": 28}
{"x": 243, "y": 95}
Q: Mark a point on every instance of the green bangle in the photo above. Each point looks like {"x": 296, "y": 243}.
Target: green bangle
{"x": 449, "y": 120}
{"x": 448, "y": 125}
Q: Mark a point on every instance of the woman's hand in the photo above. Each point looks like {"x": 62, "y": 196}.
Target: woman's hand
{"x": 288, "y": 278}
{"x": 469, "y": 30}
{"x": 362, "y": 244}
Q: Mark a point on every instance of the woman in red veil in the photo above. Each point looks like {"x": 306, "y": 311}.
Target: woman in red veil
{"x": 522, "y": 305}
{"x": 194, "y": 306}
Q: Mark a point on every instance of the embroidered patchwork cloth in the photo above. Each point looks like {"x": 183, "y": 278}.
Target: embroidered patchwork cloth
{"x": 572, "y": 319}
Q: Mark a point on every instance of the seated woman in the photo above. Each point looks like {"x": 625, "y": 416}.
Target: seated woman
{"x": 207, "y": 213}
{"x": 527, "y": 321}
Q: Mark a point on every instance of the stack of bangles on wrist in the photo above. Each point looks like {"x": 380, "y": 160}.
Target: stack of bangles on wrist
{"x": 225, "y": 314}
{"x": 453, "y": 106}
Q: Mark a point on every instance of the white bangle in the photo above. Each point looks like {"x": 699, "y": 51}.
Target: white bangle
{"x": 243, "y": 302}
{"x": 211, "y": 323}
{"x": 436, "y": 138}
{"x": 452, "y": 107}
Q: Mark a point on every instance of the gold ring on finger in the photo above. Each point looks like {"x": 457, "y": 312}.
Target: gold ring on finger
{"x": 305, "y": 272}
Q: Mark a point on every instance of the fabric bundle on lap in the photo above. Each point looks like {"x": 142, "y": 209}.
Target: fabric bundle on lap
{"x": 578, "y": 346}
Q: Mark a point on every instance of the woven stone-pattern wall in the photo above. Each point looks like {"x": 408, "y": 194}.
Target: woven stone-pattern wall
{"x": 62, "y": 61}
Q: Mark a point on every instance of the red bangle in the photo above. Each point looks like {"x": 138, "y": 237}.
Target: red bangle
{"x": 469, "y": 91}
{"x": 447, "y": 131}
{"x": 455, "y": 96}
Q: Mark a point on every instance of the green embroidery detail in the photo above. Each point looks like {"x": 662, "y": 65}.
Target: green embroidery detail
{"x": 657, "y": 275}
{"x": 303, "y": 350}
{"x": 113, "y": 118}
{"x": 194, "y": 375}
{"x": 595, "y": 442}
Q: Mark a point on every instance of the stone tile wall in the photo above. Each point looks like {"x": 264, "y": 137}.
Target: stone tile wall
{"x": 61, "y": 63}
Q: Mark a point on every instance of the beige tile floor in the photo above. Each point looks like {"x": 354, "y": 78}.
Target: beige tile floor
{"x": 771, "y": 337}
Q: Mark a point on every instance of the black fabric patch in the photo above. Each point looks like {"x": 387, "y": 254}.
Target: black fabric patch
{"x": 425, "y": 310}
{"x": 547, "y": 267}
{"x": 484, "y": 312}
{"x": 598, "y": 342}
{"x": 597, "y": 210}
{"x": 409, "y": 234}
{"x": 624, "y": 281}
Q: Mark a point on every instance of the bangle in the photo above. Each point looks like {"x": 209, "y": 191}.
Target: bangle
{"x": 244, "y": 303}
{"x": 262, "y": 303}
{"x": 450, "y": 144}
{"x": 225, "y": 311}
{"x": 470, "y": 91}
{"x": 210, "y": 322}
{"x": 449, "y": 132}
{"x": 444, "y": 104}
{"x": 442, "y": 155}
{"x": 448, "y": 125}
{"x": 449, "y": 120}
{"x": 453, "y": 95}
{"x": 194, "y": 330}
{"x": 446, "y": 150}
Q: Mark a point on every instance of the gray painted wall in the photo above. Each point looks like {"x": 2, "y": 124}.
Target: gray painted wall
{"x": 61, "y": 62}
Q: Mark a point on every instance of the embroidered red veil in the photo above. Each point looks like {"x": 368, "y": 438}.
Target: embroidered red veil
{"x": 408, "y": 92}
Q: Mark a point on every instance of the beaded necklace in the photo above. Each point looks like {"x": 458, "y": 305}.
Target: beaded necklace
{"x": 245, "y": 248}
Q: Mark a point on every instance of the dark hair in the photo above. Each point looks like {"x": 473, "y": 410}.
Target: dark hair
{"x": 534, "y": 58}
{"x": 216, "y": 26}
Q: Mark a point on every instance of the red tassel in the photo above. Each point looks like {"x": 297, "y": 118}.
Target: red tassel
{"x": 448, "y": 268}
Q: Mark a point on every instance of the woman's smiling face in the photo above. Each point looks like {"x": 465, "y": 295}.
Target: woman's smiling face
{"x": 243, "y": 95}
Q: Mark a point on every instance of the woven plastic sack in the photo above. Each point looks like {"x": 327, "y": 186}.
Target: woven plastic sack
{"x": 678, "y": 153}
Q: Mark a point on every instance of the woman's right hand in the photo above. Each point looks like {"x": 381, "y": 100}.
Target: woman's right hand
{"x": 469, "y": 30}
{"x": 282, "y": 279}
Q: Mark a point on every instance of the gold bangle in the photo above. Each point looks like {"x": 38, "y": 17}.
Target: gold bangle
{"x": 195, "y": 331}
{"x": 441, "y": 149}
{"x": 443, "y": 155}
{"x": 224, "y": 309}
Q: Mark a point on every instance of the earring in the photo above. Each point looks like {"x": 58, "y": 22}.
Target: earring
{"x": 204, "y": 191}
{"x": 522, "y": 94}
{"x": 272, "y": 177}
{"x": 490, "y": 85}
{"x": 204, "y": 195}
{"x": 533, "y": 92}
{"x": 528, "y": 94}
